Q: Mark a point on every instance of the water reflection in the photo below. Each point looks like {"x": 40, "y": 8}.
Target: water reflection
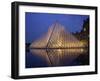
{"x": 62, "y": 57}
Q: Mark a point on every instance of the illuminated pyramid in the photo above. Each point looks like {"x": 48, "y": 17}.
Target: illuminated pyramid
{"x": 57, "y": 37}
{"x": 60, "y": 46}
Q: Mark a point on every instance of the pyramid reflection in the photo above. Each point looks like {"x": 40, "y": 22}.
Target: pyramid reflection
{"x": 58, "y": 57}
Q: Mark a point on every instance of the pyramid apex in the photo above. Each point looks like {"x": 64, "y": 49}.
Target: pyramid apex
{"x": 57, "y": 22}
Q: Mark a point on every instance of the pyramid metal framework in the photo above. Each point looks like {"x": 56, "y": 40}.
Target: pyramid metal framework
{"x": 57, "y": 37}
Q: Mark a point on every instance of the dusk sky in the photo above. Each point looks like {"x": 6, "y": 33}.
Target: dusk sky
{"x": 37, "y": 24}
